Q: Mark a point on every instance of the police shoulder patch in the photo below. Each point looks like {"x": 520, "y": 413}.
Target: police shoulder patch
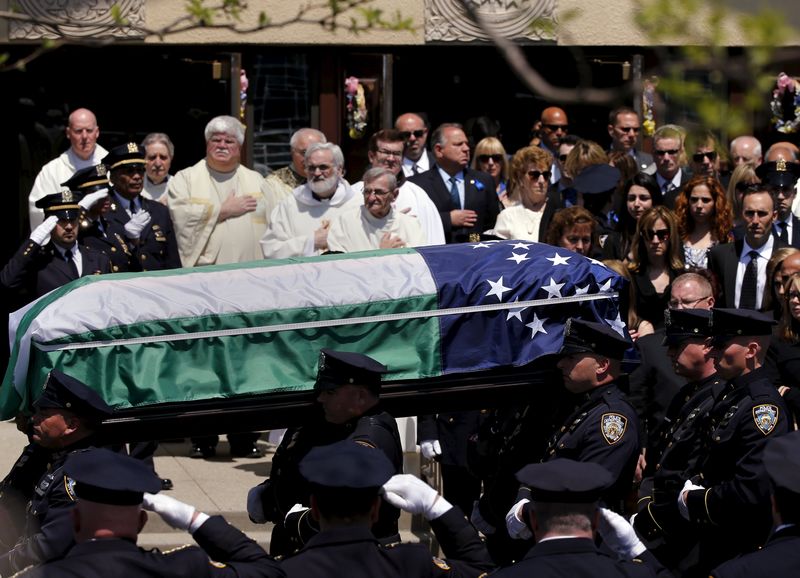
{"x": 69, "y": 486}
{"x": 216, "y": 564}
{"x": 766, "y": 417}
{"x": 613, "y": 426}
{"x": 439, "y": 563}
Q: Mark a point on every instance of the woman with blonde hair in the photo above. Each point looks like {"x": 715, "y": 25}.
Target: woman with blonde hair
{"x": 742, "y": 176}
{"x": 490, "y": 157}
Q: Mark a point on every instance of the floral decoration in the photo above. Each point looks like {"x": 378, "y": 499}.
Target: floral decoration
{"x": 356, "y": 108}
{"x": 785, "y": 95}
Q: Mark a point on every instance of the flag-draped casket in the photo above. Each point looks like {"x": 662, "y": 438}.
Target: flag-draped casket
{"x": 255, "y": 329}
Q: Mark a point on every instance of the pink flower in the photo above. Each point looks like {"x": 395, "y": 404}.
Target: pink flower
{"x": 785, "y": 82}
{"x": 243, "y": 82}
{"x": 351, "y": 85}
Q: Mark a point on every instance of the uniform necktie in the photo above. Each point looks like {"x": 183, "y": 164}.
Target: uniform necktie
{"x": 69, "y": 257}
{"x": 783, "y": 235}
{"x": 454, "y": 193}
{"x": 133, "y": 207}
{"x": 747, "y": 297}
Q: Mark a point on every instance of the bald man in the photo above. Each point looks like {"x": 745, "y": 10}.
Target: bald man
{"x": 555, "y": 126}
{"x": 746, "y": 149}
{"x": 82, "y": 132}
{"x": 416, "y": 158}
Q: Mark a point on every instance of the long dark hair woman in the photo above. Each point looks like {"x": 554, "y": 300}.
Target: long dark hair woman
{"x": 635, "y": 196}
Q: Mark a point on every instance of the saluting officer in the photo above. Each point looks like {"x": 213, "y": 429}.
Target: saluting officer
{"x": 345, "y": 481}
{"x": 728, "y": 502}
{"x": 66, "y": 419}
{"x": 347, "y": 389}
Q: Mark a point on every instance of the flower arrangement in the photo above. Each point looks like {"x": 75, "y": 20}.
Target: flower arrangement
{"x": 356, "y": 108}
{"x": 785, "y": 101}
{"x": 243, "y": 84}
{"x": 648, "y": 106}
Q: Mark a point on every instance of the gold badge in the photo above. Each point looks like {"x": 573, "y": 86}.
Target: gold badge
{"x": 613, "y": 426}
{"x": 66, "y": 196}
{"x": 780, "y": 165}
{"x": 766, "y": 417}
{"x": 101, "y": 170}
{"x": 133, "y": 147}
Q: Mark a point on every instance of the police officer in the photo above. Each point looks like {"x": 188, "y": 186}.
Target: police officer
{"x": 66, "y": 420}
{"x": 147, "y": 223}
{"x": 604, "y": 428}
{"x": 345, "y": 482}
{"x": 52, "y": 257}
{"x": 347, "y": 388}
{"x": 728, "y": 501}
{"x": 111, "y": 489}
{"x": 781, "y": 554}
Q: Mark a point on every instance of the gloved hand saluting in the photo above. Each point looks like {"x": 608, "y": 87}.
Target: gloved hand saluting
{"x": 619, "y": 535}
{"x": 516, "y": 526}
{"x": 411, "y": 494}
{"x": 430, "y": 449}
{"x": 89, "y": 200}
{"x": 40, "y": 234}
{"x": 134, "y": 227}
{"x": 174, "y": 512}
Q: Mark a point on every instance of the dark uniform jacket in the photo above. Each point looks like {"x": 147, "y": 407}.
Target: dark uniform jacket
{"x": 108, "y": 237}
{"x": 16, "y": 490}
{"x": 780, "y": 557}
{"x": 38, "y": 270}
{"x": 234, "y": 555}
{"x": 355, "y": 552}
{"x": 158, "y": 246}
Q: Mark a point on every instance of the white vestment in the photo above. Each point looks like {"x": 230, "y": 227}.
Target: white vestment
{"x": 292, "y": 224}
{"x": 195, "y": 197}
{"x": 357, "y": 230}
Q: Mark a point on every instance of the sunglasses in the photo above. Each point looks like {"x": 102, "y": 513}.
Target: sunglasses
{"x": 671, "y": 152}
{"x": 662, "y": 234}
{"x": 556, "y": 127}
{"x": 536, "y": 174}
{"x": 562, "y": 158}
{"x": 406, "y": 134}
{"x": 698, "y": 157}
{"x": 485, "y": 158}
{"x": 627, "y": 129}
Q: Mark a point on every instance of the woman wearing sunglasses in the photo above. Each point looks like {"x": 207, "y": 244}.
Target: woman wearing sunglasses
{"x": 656, "y": 259}
{"x": 529, "y": 181}
{"x": 704, "y": 219}
{"x": 490, "y": 157}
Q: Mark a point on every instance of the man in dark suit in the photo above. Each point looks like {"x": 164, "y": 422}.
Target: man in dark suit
{"x": 781, "y": 177}
{"x": 623, "y": 128}
{"x": 741, "y": 266}
{"x": 667, "y": 152}
{"x": 465, "y": 198}
{"x": 39, "y": 266}
{"x": 147, "y": 223}
{"x": 414, "y": 130}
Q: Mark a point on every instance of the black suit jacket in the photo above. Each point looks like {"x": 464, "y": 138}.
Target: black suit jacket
{"x": 723, "y": 261}
{"x": 795, "y": 240}
{"x": 479, "y": 196}
{"x": 158, "y": 247}
{"x": 669, "y": 198}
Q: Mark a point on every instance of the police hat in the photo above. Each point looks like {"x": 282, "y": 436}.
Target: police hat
{"x": 107, "y": 477}
{"x": 63, "y": 205}
{"x": 346, "y": 465}
{"x": 779, "y": 173}
{"x": 60, "y": 391}
{"x": 782, "y": 461}
{"x": 680, "y": 324}
{"x": 566, "y": 481}
{"x": 126, "y": 154}
{"x": 728, "y": 323}
{"x": 596, "y": 179}
{"x": 88, "y": 180}
{"x": 590, "y": 337}
{"x": 337, "y": 368}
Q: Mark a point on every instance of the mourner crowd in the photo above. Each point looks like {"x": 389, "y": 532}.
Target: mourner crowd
{"x": 668, "y": 452}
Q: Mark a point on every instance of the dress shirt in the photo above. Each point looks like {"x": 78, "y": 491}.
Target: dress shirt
{"x": 459, "y": 177}
{"x": 764, "y": 253}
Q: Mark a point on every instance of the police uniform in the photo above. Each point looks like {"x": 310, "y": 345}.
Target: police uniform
{"x": 104, "y": 477}
{"x": 346, "y": 468}
{"x": 780, "y": 556}
{"x": 16, "y": 490}
{"x": 732, "y": 511}
{"x": 48, "y": 526}
{"x": 38, "y": 269}
{"x": 566, "y": 481}
{"x": 273, "y": 499}
{"x": 157, "y": 247}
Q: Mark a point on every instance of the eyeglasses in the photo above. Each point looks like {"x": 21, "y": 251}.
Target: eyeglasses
{"x": 485, "y": 158}
{"x": 406, "y": 134}
{"x": 389, "y": 153}
{"x": 781, "y": 191}
{"x": 686, "y": 303}
{"x": 627, "y": 129}
{"x": 536, "y": 174}
{"x": 321, "y": 168}
{"x": 377, "y": 192}
{"x": 562, "y": 158}
{"x": 670, "y": 152}
{"x": 301, "y": 152}
{"x": 556, "y": 127}
{"x": 794, "y": 295}
{"x": 662, "y": 234}
{"x": 744, "y": 187}
{"x": 698, "y": 157}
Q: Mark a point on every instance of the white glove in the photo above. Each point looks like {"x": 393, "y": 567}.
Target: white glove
{"x": 518, "y": 529}
{"x": 411, "y": 494}
{"x": 40, "y": 234}
{"x": 478, "y": 522}
{"x": 255, "y": 507}
{"x": 687, "y": 487}
{"x": 174, "y": 512}
{"x": 295, "y": 508}
{"x": 89, "y": 200}
{"x": 136, "y": 225}
{"x": 619, "y": 535}
{"x": 430, "y": 448}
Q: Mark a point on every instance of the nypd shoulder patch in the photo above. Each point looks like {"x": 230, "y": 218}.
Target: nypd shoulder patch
{"x": 766, "y": 417}
{"x": 441, "y": 564}
{"x": 69, "y": 486}
{"x": 613, "y": 426}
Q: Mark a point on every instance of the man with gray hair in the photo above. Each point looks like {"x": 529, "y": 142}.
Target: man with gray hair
{"x": 746, "y": 149}
{"x": 282, "y": 182}
{"x": 300, "y": 223}
{"x": 218, "y": 206}
{"x": 375, "y": 224}
{"x": 158, "y": 154}
{"x": 670, "y": 160}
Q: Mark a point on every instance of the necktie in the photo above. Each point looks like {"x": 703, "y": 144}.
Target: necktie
{"x": 69, "y": 257}
{"x": 454, "y": 193}
{"x": 667, "y": 188}
{"x": 133, "y": 207}
{"x": 747, "y": 297}
{"x": 415, "y": 168}
{"x": 784, "y": 231}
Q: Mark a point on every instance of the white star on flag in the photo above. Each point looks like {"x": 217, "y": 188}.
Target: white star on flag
{"x": 582, "y": 290}
{"x": 605, "y": 287}
{"x": 553, "y": 289}
{"x": 617, "y": 325}
{"x": 481, "y": 246}
{"x": 497, "y": 288}
{"x": 536, "y": 326}
{"x": 596, "y": 262}
{"x": 522, "y": 246}
{"x": 518, "y": 258}
{"x": 558, "y": 260}
{"x": 516, "y": 312}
